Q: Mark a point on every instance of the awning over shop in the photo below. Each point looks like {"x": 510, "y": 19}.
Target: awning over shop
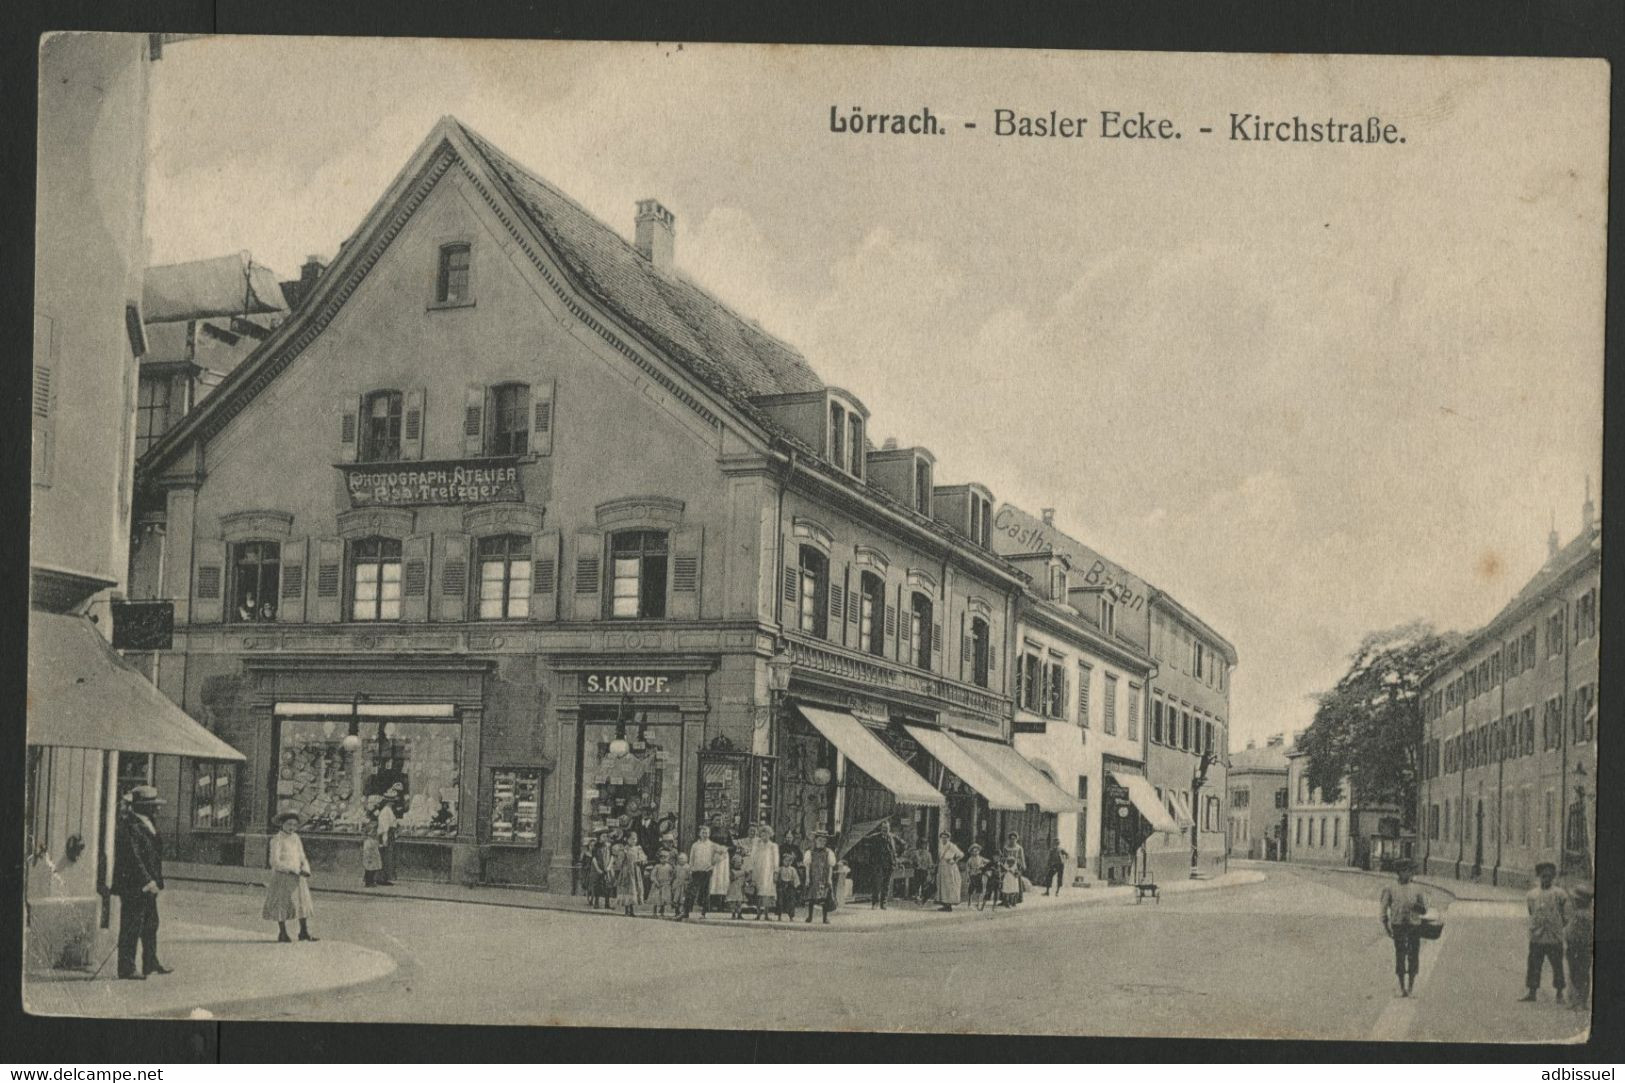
{"x": 1144, "y": 797}
{"x": 1182, "y": 810}
{"x": 81, "y": 694}
{"x": 1029, "y": 781}
{"x": 951, "y": 753}
{"x": 877, "y": 761}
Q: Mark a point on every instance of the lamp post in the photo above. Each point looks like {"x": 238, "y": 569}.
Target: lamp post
{"x": 779, "y": 669}
{"x": 1198, "y": 780}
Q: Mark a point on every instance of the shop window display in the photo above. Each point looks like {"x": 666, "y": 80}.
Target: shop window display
{"x": 214, "y": 796}
{"x": 628, "y": 768}
{"x": 516, "y": 803}
{"x": 329, "y": 786}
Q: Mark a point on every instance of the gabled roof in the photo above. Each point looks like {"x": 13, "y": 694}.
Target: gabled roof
{"x": 726, "y": 352}
{"x": 1259, "y": 758}
{"x": 231, "y": 285}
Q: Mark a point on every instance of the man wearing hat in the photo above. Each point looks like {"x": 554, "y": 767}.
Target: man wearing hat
{"x": 387, "y": 829}
{"x": 138, "y": 877}
{"x": 1548, "y": 913}
{"x": 1403, "y": 905}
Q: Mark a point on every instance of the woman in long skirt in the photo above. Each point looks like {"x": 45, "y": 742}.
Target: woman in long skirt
{"x": 948, "y": 879}
{"x": 287, "y": 898}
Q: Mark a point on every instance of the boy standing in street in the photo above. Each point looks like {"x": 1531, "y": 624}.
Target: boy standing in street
{"x": 1403, "y": 905}
{"x": 1548, "y": 913}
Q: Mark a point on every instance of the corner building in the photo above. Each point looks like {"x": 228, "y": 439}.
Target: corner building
{"x": 511, "y": 516}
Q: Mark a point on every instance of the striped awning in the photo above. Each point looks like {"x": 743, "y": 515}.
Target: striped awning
{"x": 1145, "y": 799}
{"x": 1022, "y": 776}
{"x": 978, "y": 776}
{"x": 877, "y": 761}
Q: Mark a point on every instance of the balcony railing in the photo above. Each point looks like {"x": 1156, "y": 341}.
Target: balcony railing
{"x": 883, "y": 675}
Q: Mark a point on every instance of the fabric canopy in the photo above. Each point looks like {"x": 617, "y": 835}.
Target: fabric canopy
{"x": 952, "y": 755}
{"x": 81, "y": 694}
{"x": 1182, "y": 809}
{"x": 1010, "y": 766}
{"x": 1146, "y": 800}
{"x": 877, "y": 761}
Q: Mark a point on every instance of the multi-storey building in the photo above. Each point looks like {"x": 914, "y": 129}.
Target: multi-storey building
{"x": 1333, "y": 830}
{"x": 1080, "y": 704}
{"x": 1256, "y": 802}
{"x": 510, "y": 514}
{"x": 93, "y": 723}
{"x": 1509, "y": 755}
{"x": 1187, "y": 751}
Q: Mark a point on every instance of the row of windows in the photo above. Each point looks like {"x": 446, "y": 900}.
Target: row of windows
{"x": 1317, "y": 840}
{"x": 1042, "y": 687}
{"x": 1517, "y": 655}
{"x": 1513, "y": 737}
{"x": 1514, "y": 823}
{"x": 1178, "y": 728}
{"x": 505, "y": 419}
{"x": 508, "y": 570}
{"x": 818, "y": 606}
{"x": 1187, "y": 653}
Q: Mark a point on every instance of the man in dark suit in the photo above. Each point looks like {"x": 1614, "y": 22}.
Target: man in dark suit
{"x": 138, "y": 877}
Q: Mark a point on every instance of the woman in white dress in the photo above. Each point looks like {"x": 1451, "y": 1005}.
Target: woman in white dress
{"x": 948, "y": 879}
{"x": 287, "y": 898}
{"x": 763, "y": 863}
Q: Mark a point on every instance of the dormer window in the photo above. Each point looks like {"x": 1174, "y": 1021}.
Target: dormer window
{"x": 922, "y": 486}
{"x": 984, "y": 537}
{"x": 854, "y": 443}
{"x": 837, "y": 435}
{"x": 1108, "y": 615}
{"x": 1057, "y": 583}
{"x": 845, "y": 439}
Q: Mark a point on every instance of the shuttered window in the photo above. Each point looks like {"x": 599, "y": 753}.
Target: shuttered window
{"x": 813, "y": 590}
{"x": 375, "y": 579}
{"x": 639, "y": 561}
{"x": 505, "y": 576}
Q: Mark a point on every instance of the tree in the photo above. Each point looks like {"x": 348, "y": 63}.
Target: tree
{"x": 1368, "y": 729}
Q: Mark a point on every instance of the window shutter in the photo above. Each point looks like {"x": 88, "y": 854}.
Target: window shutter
{"x": 291, "y": 607}
{"x": 451, "y": 592}
{"x": 891, "y": 620}
{"x": 936, "y": 639}
{"x": 474, "y": 421}
{"x": 965, "y": 651}
{"x": 837, "y": 604}
{"x": 350, "y": 434}
{"x": 687, "y": 548}
{"x": 415, "y": 553}
{"x": 412, "y": 431}
{"x": 541, "y": 408}
{"x": 325, "y": 607}
{"x": 544, "y": 576}
{"x": 587, "y": 590}
{"x": 208, "y": 581}
{"x": 992, "y": 662}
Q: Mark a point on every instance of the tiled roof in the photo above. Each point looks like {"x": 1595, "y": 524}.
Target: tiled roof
{"x": 1585, "y": 545}
{"x": 729, "y": 354}
{"x": 1259, "y": 758}
{"x": 224, "y": 286}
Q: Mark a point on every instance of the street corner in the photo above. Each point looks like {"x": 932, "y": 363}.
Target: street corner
{"x": 213, "y": 967}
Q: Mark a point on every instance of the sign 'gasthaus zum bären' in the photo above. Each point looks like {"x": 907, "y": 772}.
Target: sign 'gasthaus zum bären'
{"x": 458, "y": 481}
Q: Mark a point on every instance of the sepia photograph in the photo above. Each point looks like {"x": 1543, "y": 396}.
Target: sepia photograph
{"x": 815, "y": 538}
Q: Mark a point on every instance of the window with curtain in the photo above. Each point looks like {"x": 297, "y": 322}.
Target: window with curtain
{"x": 509, "y": 430}
{"x": 814, "y": 614}
{"x": 381, "y": 427}
{"x": 638, "y": 583}
{"x": 505, "y": 564}
{"x": 871, "y": 614}
{"x": 451, "y": 281}
{"x": 256, "y": 573}
{"x": 375, "y": 579}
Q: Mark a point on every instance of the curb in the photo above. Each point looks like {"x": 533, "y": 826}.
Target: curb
{"x": 1429, "y": 883}
{"x": 933, "y": 918}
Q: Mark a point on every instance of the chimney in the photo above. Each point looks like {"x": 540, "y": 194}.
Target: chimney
{"x": 1588, "y": 510}
{"x": 1551, "y": 539}
{"x": 890, "y": 444}
{"x": 311, "y": 271}
{"x": 656, "y": 233}
{"x": 1276, "y": 742}
{"x": 1049, "y": 516}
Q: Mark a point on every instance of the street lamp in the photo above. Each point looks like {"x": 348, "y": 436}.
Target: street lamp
{"x": 1197, "y": 781}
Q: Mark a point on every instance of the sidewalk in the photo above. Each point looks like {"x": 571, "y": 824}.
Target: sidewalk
{"x": 196, "y": 952}
{"x": 1460, "y": 890}
{"x": 850, "y": 917}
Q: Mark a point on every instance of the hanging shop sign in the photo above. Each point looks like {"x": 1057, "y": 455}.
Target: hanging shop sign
{"x": 454, "y": 481}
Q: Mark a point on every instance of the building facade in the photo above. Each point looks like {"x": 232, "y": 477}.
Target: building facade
{"x": 1080, "y": 703}
{"x": 1187, "y": 753}
{"x": 1256, "y": 801}
{"x": 1333, "y": 830}
{"x": 1510, "y": 730}
{"x": 512, "y": 517}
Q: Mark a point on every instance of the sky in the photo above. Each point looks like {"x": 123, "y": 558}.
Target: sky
{"x": 1311, "y": 390}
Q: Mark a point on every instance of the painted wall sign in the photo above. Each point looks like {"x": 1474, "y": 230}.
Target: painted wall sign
{"x": 456, "y": 481}
{"x": 627, "y": 684}
{"x": 1090, "y": 569}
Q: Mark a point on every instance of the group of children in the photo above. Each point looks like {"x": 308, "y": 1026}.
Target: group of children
{"x": 619, "y": 874}
{"x": 996, "y": 881}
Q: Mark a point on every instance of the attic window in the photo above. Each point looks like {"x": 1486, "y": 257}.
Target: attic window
{"x": 451, "y": 282}
{"x": 922, "y": 486}
{"x": 845, "y": 440}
